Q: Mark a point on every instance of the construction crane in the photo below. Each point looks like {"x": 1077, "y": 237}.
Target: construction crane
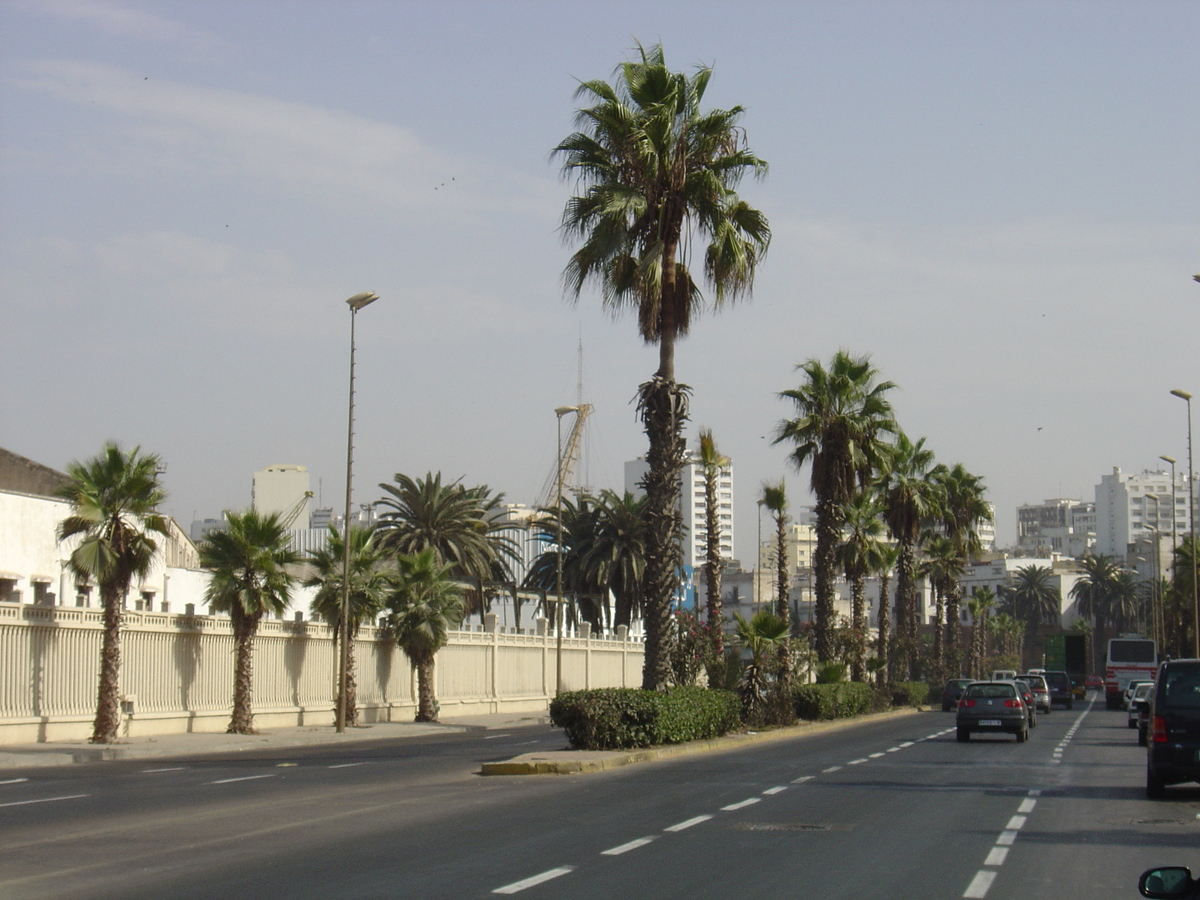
{"x": 565, "y": 466}
{"x": 294, "y": 513}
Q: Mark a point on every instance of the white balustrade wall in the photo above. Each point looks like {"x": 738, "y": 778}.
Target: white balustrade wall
{"x": 177, "y": 672}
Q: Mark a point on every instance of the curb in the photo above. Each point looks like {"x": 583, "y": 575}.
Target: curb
{"x": 576, "y": 762}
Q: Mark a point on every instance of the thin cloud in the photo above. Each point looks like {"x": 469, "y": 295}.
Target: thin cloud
{"x": 336, "y": 158}
{"x": 121, "y": 21}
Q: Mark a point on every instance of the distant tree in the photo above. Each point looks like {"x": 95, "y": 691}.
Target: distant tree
{"x": 712, "y": 462}
{"x": 860, "y": 553}
{"x": 1032, "y": 597}
{"x": 114, "y": 501}
{"x": 425, "y": 605}
{"x": 248, "y": 561}
{"x": 886, "y": 565}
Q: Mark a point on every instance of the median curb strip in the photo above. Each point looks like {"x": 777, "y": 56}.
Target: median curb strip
{"x": 576, "y": 762}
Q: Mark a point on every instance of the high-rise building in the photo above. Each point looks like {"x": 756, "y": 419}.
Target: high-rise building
{"x": 1130, "y": 508}
{"x": 1059, "y": 525}
{"x": 280, "y": 489}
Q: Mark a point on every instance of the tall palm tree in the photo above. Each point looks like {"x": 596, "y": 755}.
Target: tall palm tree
{"x": 114, "y": 498}
{"x": 712, "y": 462}
{"x": 774, "y": 498}
{"x": 910, "y": 497}
{"x": 425, "y": 605}
{"x": 458, "y": 523}
{"x": 860, "y": 553}
{"x": 888, "y": 554}
{"x": 1093, "y": 592}
{"x": 618, "y": 552}
{"x": 581, "y": 578}
{"x": 942, "y": 567}
{"x": 841, "y": 416}
{"x": 963, "y": 509}
{"x": 248, "y": 561}
{"x": 980, "y": 606}
{"x": 369, "y": 585}
{"x": 1126, "y": 603}
{"x": 658, "y": 175}
{"x": 1033, "y": 599}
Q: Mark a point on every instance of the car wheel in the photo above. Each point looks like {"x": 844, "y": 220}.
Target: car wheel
{"x": 963, "y": 735}
{"x": 945, "y": 707}
{"x": 1033, "y": 721}
{"x": 1141, "y": 737}
{"x": 1070, "y": 705}
{"x": 1155, "y": 789}
{"x": 1133, "y": 724}
{"x": 1022, "y": 735}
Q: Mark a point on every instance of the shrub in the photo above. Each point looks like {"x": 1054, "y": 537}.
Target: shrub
{"x": 832, "y": 701}
{"x": 624, "y": 718}
{"x": 911, "y": 693}
{"x": 831, "y": 673}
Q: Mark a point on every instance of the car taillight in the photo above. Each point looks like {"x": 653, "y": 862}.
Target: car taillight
{"x": 1160, "y": 730}
{"x": 966, "y": 701}
{"x": 1013, "y": 704}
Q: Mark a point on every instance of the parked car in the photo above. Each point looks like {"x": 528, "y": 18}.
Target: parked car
{"x": 1141, "y": 692}
{"x": 1169, "y": 883}
{"x": 1078, "y": 691}
{"x": 1173, "y": 748}
{"x": 1060, "y": 688}
{"x": 1004, "y": 674}
{"x": 1094, "y": 683}
{"x": 1027, "y": 698}
{"x": 992, "y": 706}
{"x": 1143, "y": 719}
{"x": 1127, "y": 697}
{"x": 952, "y": 691}
{"x": 1041, "y": 691}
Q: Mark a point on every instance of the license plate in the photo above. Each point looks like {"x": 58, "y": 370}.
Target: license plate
{"x": 990, "y": 723}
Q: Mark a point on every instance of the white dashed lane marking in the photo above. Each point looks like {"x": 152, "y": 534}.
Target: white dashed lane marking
{"x": 736, "y": 806}
{"x": 242, "y": 778}
{"x": 45, "y": 800}
{"x": 625, "y": 848}
{"x": 518, "y": 886}
{"x": 687, "y": 823}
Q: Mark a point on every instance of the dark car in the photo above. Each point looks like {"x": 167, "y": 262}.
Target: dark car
{"x": 1169, "y": 883}
{"x": 990, "y": 706}
{"x": 952, "y": 691}
{"x": 1027, "y": 698}
{"x": 1060, "y": 688}
{"x": 1173, "y": 748}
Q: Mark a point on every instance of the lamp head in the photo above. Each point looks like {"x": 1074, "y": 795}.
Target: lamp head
{"x": 561, "y": 411}
{"x": 1168, "y": 459}
{"x": 1182, "y": 394}
{"x": 358, "y": 301}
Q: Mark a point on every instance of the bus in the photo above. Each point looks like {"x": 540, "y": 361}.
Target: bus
{"x": 1129, "y": 659}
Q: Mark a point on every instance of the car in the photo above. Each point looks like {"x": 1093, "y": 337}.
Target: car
{"x": 1143, "y": 720}
{"x": 1094, "y": 683}
{"x": 1078, "y": 691}
{"x": 952, "y": 691}
{"x": 1041, "y": 691}
{"x": 1173, "y": 747}
{"x": 1141, "y": 692}
{"x": 1027, "y": 699}
{"x": 1004, "y": 674}
{"x": 1128, "y": 695}
{"x": 992, "y": 706}
{"x": 1169, "y": 883}
{"x": 1060, "y": 688}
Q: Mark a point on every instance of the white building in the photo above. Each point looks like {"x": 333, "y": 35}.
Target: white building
{"x": 283, "y": 489}
{"x": 1130, "y": 508}
{"x": 1059, "y": 525}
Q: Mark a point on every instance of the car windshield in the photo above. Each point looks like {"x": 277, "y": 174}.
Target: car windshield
{"x": 1183, "y": 688}
{"x": 1037, "y": 682}
{"x": 991, "y": 691}
{"x": 1142, "y": 691}
{"x": 1058, "y": 679}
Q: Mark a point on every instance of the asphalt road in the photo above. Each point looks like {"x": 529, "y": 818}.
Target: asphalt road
{"x": 895, "y": 808}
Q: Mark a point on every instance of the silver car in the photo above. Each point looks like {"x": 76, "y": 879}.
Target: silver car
{"x": 1041, "y": 691}
{"x": 992, "y": 706}
{"x": 1141, "y": 691}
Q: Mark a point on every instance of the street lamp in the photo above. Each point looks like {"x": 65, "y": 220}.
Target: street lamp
{"x": 559, "y": 412}
{"x": 1186, "y": 397}
{"x": 357, "y": 302}
{"x": 1171, "y": 460}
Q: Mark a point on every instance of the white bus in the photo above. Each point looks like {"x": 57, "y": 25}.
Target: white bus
{"x": 1129, "y": 659}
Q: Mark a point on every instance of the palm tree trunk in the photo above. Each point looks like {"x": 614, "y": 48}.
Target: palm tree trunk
{"x": 906, "y": 622}
{"x": 426, "y": 702}
{"x": 244, "y": 628}
{"x": 939, "y": 618}
{"x": 828, "y": 535}
{"x": 351, "y": 684}
{"x": 881, "y": 647}
{"x": 663, "y": 406}
{"x": 953, "y": 646}
{"x": 858, "y": 626}
{"x": 108, "y": 698}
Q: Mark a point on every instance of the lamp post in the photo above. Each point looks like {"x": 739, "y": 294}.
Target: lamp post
{"x": 559, "y": 412}
{"x": 1171, "y": 460}
{"x": 357, "y": 302}
{"x": 1186, "y": 397}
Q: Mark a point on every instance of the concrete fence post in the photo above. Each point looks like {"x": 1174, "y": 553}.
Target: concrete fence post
{"x": 490, "y": 626}
{"x": 623, "y": 637}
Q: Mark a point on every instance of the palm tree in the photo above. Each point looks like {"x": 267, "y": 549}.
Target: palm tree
{"x": 114, "y": 497}
{"x": 369, "y": 586}
{"x": 888, "y": 554}
{"x": 1033, "y": 599}
{"x": 459, "y": 523}
{"x": 841, "y": 414}
{"x": 581, "y": 577}
{"x": 248, "y": 559}
{"x": 1126, "y": 602}
{"x": 980, "y": 606}
{"x": 656, "y": 174}
{"x": 1094, "y": 590}
{"x": 963, "y": 509}
{"x": 618, "y": 552}
{"x": 860, "y": 553}
{"x": 764, "y": 635}
{"x": 910, "y": 497}
{"x": 712, "y": 462}
{"x": 774, "y": 498}
{"x": 424, "y": 606}
{"x": 942, "y": 566}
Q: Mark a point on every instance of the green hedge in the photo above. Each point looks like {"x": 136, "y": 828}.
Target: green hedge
{"x": 911, "y": 693}
{"x": 623, "y": 718}
{"x": 832, "y": 701}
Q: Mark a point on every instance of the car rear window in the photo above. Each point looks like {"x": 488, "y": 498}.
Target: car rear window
{"x": 1142, "y": 691}
{"x": 1182, "y": 688}
{"x": 1058, "y": 680}
{"x": 992, "y": 691}
{"x": 1037, "y": 682}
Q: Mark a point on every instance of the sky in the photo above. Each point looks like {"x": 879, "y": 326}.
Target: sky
{"x": 996, "y": 201}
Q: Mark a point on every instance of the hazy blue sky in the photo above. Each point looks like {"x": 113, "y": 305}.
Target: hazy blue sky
{"x": 997, "y": 201}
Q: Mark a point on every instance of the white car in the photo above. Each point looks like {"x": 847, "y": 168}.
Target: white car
{"x": 1133, "y": 686}
{"x": 1141, "y": 691}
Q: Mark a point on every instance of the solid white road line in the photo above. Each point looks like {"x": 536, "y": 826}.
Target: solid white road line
{"x": 996, "y": 857}
{"x": 13, "y": 780}
{"x": 775, "y": 790}
{"x": 687, "y": 823}
{"x": 734, "y": 806}
{"x": 979, "y": 885}
{"x": 243, "y": 778}
{"x": 346, "y": 765}
{"x": 45, "y": 800}
{"x": 518, "y": 886}
{"x": 625, "y": 848}
{"x": 492, "y": 737}
{"x": 167, "y": 769}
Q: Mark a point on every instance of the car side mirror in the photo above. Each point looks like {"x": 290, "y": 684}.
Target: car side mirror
{"x": 1169, "y": 881}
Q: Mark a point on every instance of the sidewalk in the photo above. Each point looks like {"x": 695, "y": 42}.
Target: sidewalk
{"x": 65, "y": 753}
